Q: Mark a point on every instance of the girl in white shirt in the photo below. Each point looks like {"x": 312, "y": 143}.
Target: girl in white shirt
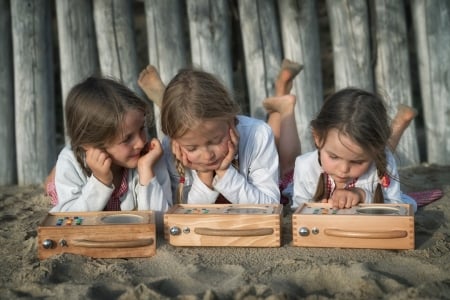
{"x": 352, "y": 163}
{"x": 109, "y": 165}
{"x": 214, "y": 154}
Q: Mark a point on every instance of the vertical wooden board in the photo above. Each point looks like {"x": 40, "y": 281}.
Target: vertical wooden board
{"x": 77, "y": 43}
{"x": 167, "y": 41}
{"x": 210, "y": 35}
{"x": 262, "y": 51}
{"x": 300, "y": 35}
{"x": 350, "y": 36}
{"x": 33, "y": 89}
{"x": 8, "y": 154}
{"x": 431, "y": 20}
{"x": 392, "y": 70}
{"x": 116, "y": 45}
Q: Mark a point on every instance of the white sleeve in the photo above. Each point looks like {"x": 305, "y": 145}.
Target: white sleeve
{"x": 200, "y": 193}
{"x": 257, "y": 180}
{"x": 157, "y": 194}
{"x": 306, "y": 176}
{"x": 76, "y": 191}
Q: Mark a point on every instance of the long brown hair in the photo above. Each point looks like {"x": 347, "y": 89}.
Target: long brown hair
{"x": 190, "y": 98}
{"x": 94, "y": 112}
{"x": 362, "y": 116}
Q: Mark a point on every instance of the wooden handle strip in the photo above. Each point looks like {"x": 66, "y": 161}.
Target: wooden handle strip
{"x": 113, "y": 244}
{"x": 233, "y": 232}
{"x": 393, "y": 234}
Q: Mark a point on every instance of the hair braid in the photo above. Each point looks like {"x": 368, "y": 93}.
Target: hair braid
{"x": 180, "y": 169}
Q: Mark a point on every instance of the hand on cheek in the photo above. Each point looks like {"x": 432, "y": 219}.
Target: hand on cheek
{"x": 181, "y": 155}
{"x": 233, "y": 148}
{"x": 99, "y": 162}
{"x": 147, "y": 161}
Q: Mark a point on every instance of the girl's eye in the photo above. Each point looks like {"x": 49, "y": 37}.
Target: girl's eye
{"x": 127, "y": 139}
{"x": 359, "y": 162}
{"x": 218, "y": 141}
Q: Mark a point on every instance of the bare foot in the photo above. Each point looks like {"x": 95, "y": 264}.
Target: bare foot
{"x": 281, "y": 104}
{"x": 289, "y": 70}
{"x": 150, "y": 82}
{"x": 405, "y": 114}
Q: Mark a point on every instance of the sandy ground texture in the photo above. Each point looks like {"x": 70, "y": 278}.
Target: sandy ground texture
{"x": 287, "y": 272}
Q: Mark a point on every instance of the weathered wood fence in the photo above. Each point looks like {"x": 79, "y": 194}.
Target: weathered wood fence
{"x": 399, "y": 48}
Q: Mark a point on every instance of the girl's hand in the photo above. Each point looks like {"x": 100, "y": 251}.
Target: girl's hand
{"x": 346, "y": 198}
{"x": 181, "y": 156}
{"x": 100, "y": 164}
{"x": 233, "y": 148}
{"x": 205, "y": 176}
{"x": 148, "y": 160}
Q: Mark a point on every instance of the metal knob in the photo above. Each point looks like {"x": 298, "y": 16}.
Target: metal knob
{"x": 303, "y": 231}
{"x": 175, "y": 230}
{"x": 47, "y": 244}
{"x": 63, "y": 243}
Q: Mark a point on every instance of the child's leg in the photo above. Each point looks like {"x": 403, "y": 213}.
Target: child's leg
{"x": 150, "y": 82}
{"x": 405, "y": 114}
{"x": 288, "y": 141}
{"x": 282, "y": 116}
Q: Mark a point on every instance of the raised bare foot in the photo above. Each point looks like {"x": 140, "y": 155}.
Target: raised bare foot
{"x": 288, "y": 71}
{"x": 405, "y": 113}
{"x": 281, "y": 104}
{"x": 150, "y": 82}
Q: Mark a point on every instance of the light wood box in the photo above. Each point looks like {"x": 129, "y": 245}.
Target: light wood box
{"x": 234, "y": 225}
{"x": 111, "y": 234}
{"x": 377, "y": 226}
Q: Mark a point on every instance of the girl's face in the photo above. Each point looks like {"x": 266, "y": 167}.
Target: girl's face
{"x": 206, "y": 145}
{"x": 126, "y": 148}
{"x": 342, "y": 158}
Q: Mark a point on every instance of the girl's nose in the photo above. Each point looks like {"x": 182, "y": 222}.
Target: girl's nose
{"x": 140, "y": 141}
{"x": 209, "y": 154}
{"x": 344, "y": 167}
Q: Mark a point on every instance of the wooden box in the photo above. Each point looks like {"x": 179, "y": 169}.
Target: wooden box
{"x": 236, "y": 225}
{"x": 110, "y": 234}
{"x": 377, "y": 226}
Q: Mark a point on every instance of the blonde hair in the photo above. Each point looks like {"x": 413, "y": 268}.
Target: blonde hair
{"x": 94, "y": 112}
{"x": 190, "y": 98}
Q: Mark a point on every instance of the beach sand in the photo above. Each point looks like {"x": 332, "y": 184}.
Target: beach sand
{"x": 287, "y": 272}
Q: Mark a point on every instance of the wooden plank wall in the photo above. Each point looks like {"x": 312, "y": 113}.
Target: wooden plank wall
{"x": 398, "y": 48}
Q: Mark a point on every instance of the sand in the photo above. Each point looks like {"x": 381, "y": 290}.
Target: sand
{"x": 287, "y": 272}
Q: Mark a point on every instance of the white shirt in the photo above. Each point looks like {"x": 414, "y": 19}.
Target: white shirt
{"x": 307, "y": 172}
{"x": 78, "y": 192}
{"x": 256, "y": 181}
